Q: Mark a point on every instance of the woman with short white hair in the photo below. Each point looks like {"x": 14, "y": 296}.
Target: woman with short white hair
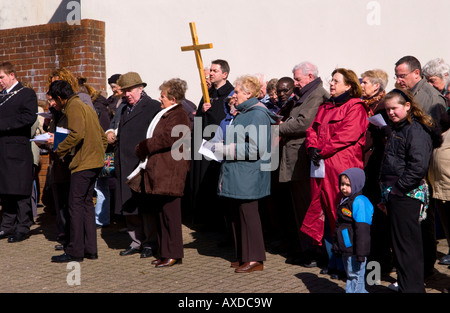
{"x": 436, "y": 72}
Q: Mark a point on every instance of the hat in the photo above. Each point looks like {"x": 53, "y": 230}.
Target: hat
{"x": 130, "y": 79}
{"x": 113, "y": 79}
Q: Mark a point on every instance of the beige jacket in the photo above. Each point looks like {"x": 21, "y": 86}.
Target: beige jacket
{"x": 439, "y": 170}
{"x": 295, "y": 164}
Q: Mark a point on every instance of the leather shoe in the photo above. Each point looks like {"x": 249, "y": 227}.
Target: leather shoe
{"x": 247, "y": 267}
{"x": 65, "y": 258}
{"x": 17, "y": 237}
{"x": 168, "y": 262}
{"x": 235, "y": 264}
{"x": 3, "y": 234}
{"x": 146, "y": 252}
{"x": 91, "y": 256}
{"x": 129, "y": 251}
{"x": 157, "y": 261}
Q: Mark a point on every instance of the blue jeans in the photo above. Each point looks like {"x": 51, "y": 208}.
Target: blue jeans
{"x": 102, "y": 207}
{"x": 355, "y": 274}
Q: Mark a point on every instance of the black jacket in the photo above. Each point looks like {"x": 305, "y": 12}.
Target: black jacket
{"x": 407, "y": 155}
{"x": 132, "y": 130}
{"x": 17, "y": 115}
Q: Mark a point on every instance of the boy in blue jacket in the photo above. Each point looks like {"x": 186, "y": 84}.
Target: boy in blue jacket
{"x": 352, "y": 232}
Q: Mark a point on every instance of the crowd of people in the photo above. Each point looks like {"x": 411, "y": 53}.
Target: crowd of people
{"x": 335, "y": 177}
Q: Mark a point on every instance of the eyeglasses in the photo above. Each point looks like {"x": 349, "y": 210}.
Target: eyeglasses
{"x": 333, "y": 81}
{"x": 401, "y": 76}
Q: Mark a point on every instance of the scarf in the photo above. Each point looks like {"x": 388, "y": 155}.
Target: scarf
{"x": 150, "y": 130}
{"x": 372, "y": 103}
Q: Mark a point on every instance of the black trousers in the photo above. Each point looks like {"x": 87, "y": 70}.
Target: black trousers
{"x": 17, "y": 214}
{"x": 83, "y": 231}
{"x": 61, "y": 192}
{"x": 247, "y": 229}
{"x": 443, "y": 209}
{"x": 407, "y": 242}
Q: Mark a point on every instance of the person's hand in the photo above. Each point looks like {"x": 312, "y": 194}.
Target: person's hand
{"x": 218, "y": 149}
{"x": 111, "y": 137}
{"x": 314, "y": 155}
{"x": 141, "y": 150}
{"x": 51, "y": 140}
{"x": 206, "y": 107}
{"x": 382, "y": 207}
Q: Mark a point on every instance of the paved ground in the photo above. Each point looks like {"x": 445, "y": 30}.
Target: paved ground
{"x": 26, "y": 268}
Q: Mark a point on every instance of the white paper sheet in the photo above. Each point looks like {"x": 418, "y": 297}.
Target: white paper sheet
{"x": 205, "y": 149}
{"x": 45, "y": 114}
{"x": 318, "y": 171}
{"x": 42, "y": 139}
{"x": 377, "y": 120}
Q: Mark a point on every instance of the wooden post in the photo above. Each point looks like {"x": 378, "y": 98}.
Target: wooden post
{"x": 196, "y": 47}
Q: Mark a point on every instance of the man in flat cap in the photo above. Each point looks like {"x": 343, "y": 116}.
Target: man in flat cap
{"x": 135, "y": 117}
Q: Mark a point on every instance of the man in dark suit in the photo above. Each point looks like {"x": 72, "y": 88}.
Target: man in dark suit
{"x": 18, "y": 108}
{"x": 204, "y": 173}
{"x": 135, "y": 116}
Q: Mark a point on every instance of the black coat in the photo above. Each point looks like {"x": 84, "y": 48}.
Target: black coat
{"x": 17, "y": 116}
{"x": 204, "y": 174}
{"x": 131, "y": 131}
{"x": 216, "y": 113}
{"x": 101, "y": 108}
{"x": 407, "y": 155}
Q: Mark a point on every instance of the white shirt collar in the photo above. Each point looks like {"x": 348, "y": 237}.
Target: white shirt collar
{"x": 12, "y": 87}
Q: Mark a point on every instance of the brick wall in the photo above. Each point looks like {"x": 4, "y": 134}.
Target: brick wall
{"x": 36, "y": 51}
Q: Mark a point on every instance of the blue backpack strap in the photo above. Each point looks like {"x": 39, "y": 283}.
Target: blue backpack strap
{"x": 362, "y": 210}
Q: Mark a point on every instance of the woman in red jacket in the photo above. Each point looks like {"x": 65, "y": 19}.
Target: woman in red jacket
{"x": 337, "y": 136}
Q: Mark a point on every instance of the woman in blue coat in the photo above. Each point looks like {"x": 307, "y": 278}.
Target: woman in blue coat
{"x": 245, "y": 172}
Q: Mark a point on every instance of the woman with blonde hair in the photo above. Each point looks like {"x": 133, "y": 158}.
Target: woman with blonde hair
{"x": 373, "y": 84}
{"x": 245, "y": 172}
{"x": 65, "y": 74}
{"x": 403, "y": 185}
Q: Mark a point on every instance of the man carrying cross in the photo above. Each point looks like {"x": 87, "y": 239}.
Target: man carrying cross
{"x": 18, "y": 108}
{"x": 205, "y": 174}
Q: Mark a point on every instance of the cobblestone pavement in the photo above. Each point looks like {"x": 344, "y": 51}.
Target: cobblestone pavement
{"x": 26, "y": 268}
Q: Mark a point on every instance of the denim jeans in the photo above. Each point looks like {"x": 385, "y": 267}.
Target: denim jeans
{"x": 355, "y": 274}
{"x": 102, "y": 207}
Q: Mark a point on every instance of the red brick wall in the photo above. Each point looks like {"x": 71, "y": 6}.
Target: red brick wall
{"x": 36, "y": 51}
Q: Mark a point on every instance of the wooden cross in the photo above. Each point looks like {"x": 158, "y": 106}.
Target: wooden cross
{"x": 197, "y": 47}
